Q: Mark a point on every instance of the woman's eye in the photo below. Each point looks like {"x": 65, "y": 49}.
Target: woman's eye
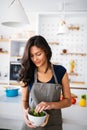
{"x": 31, "y": 56}
{"x": 38, "y": 54}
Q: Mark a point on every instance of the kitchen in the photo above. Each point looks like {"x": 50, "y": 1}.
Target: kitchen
{"x": 68, "y": 48}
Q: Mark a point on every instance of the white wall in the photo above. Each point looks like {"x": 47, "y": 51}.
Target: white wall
{"x": 74, "y": 42}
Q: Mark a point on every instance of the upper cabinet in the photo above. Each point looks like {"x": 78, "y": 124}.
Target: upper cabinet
{"x": 4, "y": 46}
{"x": 17, "y": 49}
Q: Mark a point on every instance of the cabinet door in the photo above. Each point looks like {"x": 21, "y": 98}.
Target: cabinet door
{"x": 16, "y": 50}
{"x": 74, "y": 126}
{"x": 4, "y": 61}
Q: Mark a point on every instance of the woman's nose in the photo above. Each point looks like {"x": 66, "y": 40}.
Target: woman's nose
{"x": 34, "y": 58}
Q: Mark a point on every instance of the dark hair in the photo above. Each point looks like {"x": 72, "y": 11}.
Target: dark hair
{"x": 27, "y": 66}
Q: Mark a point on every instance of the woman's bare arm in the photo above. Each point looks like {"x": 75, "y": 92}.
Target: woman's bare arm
{"x": 25, "y": 97}
{"x": 66, "y": 102}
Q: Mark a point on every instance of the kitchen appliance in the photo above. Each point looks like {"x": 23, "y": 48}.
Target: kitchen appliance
{"x": 14, "y": 70}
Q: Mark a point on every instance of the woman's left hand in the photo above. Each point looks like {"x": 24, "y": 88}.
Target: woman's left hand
{"x": 46, "y": 121}
{"x": 43, "y": 106}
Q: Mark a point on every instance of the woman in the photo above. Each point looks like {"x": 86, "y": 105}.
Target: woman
{"x": 43, "y": 83}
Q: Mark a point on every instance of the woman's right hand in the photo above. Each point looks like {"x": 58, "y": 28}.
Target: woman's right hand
{"x": 27, "y": 121}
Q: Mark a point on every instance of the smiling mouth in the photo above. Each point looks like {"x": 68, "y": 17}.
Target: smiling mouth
{"x": 37, "y": 63}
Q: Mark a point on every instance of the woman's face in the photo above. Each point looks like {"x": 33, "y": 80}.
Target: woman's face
{"x": 38, "y": 56}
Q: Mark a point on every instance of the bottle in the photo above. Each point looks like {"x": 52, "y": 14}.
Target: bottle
{"x": 82, "y": 102}
{"x": 72, "y": 66}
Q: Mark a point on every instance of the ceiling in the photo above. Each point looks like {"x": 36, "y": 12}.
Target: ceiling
{"x": 40, "y": 6}
{"x": 54, "y": 5}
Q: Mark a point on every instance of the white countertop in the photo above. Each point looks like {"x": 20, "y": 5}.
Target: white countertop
{"x": 10, "y": 107}
{"x": 75, "y": 115}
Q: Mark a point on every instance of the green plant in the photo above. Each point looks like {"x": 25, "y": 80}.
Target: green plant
{"x": 39, "y": 114}
{"x": 83, "y": 96}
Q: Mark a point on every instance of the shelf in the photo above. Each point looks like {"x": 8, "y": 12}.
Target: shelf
{"x": 3, "y": 83}
{"x": 73, "y": 74}
{"x": 4, "y": 52}
{"x": 81, "y": 88}
{"x": 78, "y": 85}
{"x": 15, "y": 83}
{"x": 19, "y": 57}
{"x": 57, "y": 43}
{"x": 4, "y": 40}
{"x": 78, "y": 54}
{"x": 78, "y": 82}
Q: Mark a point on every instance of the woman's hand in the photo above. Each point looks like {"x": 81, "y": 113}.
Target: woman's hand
{"x": 27, "y": 121}
{"x": 46, "y": 121}
{"x": 43, "y": 106}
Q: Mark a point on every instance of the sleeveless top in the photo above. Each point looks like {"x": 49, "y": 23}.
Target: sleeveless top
{"x": 59, "y": 72}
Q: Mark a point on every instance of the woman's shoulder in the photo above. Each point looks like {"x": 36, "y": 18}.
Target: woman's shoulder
{"x": 59, "y": 67}
{"x": 59, "y": 70}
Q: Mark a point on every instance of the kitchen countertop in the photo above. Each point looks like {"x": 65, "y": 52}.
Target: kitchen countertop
{"x": 75, "y": 115}
{"x": 11, "y": 107}
{"x": 6, "y": 99}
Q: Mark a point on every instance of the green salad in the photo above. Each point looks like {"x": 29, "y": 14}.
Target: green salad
{"x": 32, "y": 112}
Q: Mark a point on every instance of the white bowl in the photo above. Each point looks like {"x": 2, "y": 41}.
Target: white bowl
{"x": 37, "y": 120}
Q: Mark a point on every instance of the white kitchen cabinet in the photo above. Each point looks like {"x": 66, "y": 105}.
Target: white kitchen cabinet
{"x": 4, "y": 60}
{"x": 75, "y": 118}
{"x": 17, "y": 48}
{"x": 69, "y": 126}
{"x": 11, "y": 52}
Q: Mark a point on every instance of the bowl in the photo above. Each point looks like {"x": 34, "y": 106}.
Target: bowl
{"x": 11, "y": 92}
{"x": 37, "y": 119}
